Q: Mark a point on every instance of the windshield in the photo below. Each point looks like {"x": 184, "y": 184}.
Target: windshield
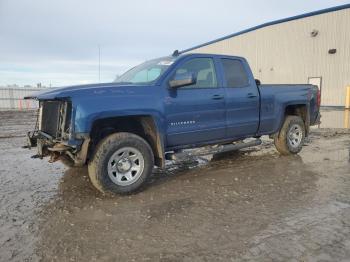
{"x": 146, "y": 73}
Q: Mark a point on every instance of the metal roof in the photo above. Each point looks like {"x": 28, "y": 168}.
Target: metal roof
{"x": 319, "y": 12}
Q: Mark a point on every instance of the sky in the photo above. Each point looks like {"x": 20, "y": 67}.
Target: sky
{"x": 56, "y": 42}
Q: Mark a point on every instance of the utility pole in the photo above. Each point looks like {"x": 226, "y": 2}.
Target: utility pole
{"x": 99, "y": 64}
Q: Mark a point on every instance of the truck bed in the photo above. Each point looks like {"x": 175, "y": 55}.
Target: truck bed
{"x": 275, "y": 98}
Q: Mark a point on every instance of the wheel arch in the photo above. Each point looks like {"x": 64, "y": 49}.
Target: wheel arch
{"x": 301, "y": 110}
{"x": 144, "y": 126}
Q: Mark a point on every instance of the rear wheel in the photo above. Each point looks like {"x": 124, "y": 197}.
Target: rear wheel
{"x": 121, "y": 164}
{"x": 290, "y": 138}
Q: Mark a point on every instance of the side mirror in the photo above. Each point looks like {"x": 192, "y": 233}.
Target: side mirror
{"x": 257, "y": 81}
{"x": 184, "y": 79}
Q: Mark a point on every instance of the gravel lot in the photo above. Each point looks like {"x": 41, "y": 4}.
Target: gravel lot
{"x": 251, "y": 205}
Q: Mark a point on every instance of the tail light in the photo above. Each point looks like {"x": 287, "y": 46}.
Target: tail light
{"x": 318, "y": 97}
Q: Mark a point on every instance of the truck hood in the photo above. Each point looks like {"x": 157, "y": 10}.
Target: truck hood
{"x": 79, "y": 90}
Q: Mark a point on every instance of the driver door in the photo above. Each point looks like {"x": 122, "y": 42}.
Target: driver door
{"x": 196, "y": 113}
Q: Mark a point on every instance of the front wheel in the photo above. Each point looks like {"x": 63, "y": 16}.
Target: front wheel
{"x": 121, "y": 164}
{"x": 290, "y": 138}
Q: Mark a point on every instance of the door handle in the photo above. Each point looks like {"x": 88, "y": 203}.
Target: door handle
{"x": 251, "y": 95}
{"x": 217, "y": 97}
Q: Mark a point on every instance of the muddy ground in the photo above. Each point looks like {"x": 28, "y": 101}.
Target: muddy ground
{"x": 247, "y": 205}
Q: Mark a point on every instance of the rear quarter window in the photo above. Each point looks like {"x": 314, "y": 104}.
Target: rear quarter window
{"x": 234, "y": 73}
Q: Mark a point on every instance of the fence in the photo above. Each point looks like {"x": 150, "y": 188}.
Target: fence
{"x": 12, "y": 98}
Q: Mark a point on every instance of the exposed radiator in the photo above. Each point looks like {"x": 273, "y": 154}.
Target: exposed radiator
{"x": 55, "y": 118}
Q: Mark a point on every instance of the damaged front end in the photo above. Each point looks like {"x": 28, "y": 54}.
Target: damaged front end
{"x": 53, "y": 134}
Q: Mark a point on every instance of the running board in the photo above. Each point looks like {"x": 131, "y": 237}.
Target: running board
{"x": 212, "y": 150}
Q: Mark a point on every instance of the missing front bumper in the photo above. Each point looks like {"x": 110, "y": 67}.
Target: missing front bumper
{"x": 48, "y": 147}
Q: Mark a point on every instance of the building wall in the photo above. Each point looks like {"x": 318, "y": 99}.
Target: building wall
{"x": 286, "y": 52}
{"x": 12, "y": 98}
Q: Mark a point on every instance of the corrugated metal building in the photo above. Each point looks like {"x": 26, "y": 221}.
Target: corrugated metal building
{"x": 12, "y": 98}
{"x": 310, "y": 48}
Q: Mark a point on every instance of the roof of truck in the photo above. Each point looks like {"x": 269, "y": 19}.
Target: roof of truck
{"x": 319, "y": 12}
{"x": 210, "y": 54}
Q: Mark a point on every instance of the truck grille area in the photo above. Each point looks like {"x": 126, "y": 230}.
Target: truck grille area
{"x": 55, "y": 118}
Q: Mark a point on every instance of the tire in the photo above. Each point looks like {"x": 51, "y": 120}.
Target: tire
{"x": 290, "y": 138}
{"x": 65, "y": 160}
{"x": 121, "y": 164}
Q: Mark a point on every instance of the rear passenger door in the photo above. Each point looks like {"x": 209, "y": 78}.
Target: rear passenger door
{"x": 242, "y": 98}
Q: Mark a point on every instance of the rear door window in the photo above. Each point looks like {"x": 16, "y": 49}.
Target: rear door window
{"x": 235, "y": 73}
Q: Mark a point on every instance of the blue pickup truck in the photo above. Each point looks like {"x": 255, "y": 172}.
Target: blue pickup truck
{"x": 156, "y": 110}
